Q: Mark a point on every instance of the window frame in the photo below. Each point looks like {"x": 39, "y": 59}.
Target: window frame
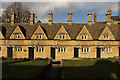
{"x": 39, "y": 49}
{"x": 61, "y": 49}
{"x": 107, "y": 50}
{"x": 85, "y": 49}
{"x": 18, "y": 49}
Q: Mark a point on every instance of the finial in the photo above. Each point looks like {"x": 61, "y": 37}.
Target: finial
{"x": 13, "y": 12}
{"x": 32, "y": 12}
{"x": 50, "y": 11}
{"x": 89, "y": 12}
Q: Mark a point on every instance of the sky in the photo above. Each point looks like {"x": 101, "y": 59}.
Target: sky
{"x": 60, "y": 10}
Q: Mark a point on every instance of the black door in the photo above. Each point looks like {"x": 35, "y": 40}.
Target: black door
{"x": 76, "y": 53}
{"x": 9, "y": 52}
{"x": 53, "y": 53}
{"x": 98, "y": 52}
{"x": 119, "y": 51}
{"x": 31, "y": 52}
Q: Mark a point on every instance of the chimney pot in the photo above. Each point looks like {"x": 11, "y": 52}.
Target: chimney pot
{"x": 95, "y": 17}
{"x": 50, "y": 17}
{"x": 70, "y": 18}
{"x": 13, "y": 18}
{"x": 32, "y": 16}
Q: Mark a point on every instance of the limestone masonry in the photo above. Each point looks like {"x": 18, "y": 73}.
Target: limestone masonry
{"x": 61, "y": 40}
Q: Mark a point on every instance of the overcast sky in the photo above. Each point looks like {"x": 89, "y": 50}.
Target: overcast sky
{"x": 61, "y": 9}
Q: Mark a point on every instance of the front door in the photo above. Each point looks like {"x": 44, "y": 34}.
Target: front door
{"x": 119, "y": 51}
{"x": 31, "y": 52}
{"x": 76, "y": 52}
{"x": 53, "y": 52}
{"x": 9, "y": 52}
{"x": 98, "y": 52}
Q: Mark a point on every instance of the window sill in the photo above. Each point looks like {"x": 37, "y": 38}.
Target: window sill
{"x": 85, "y": 52}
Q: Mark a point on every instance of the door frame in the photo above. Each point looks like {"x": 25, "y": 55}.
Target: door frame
{"x": 77, "y": 52}
{"x": 51, "y": 54}
{"x": 11, "y": 51}
{"x": 29, "y": 52}
{"x": 98, "y": 53}
{"x": 119, "y": 51}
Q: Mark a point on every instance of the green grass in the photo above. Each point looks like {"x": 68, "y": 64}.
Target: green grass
{"x": 92, "y": 68}
{"x": 24, "y": 70}
{"x": 10, "y": 61}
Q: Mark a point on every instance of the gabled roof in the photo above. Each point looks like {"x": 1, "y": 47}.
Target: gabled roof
{"x": 116, "y": 18}
{"x": 84, "y": 30}
{"x": 37, "y": 31}
{"x": 63, "y": 30}
{"x": 51, "y": 30}
{"x": 108, "y": 31}
{"x": 18, "y": 29}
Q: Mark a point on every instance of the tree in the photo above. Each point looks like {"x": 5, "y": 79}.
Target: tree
{"x": 22, "y": 14}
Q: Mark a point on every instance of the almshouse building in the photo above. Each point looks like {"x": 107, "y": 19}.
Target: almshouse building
{"x": 61, "y": 40}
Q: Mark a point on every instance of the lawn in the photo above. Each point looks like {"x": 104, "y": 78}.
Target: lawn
{"x": 92, "y": 68}
{"x": 18, "y": 69}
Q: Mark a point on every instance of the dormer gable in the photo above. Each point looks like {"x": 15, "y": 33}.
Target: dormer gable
{"x": 39, "y": 34}
{"x": 106, "y": 34}
{"x": 1, "y": 35}
{"x": 17, "y": 33}
{"x": 84, "y": 34}
{"x": 62, "y": 34}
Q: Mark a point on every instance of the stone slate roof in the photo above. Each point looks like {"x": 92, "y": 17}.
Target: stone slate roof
{"x": 51, "y": 30}
{"x": 116, "y": 18}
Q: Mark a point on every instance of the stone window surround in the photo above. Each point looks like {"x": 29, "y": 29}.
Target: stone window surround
{"x": 62, "y": 49}
{"x": 107, "y": 50}
{"x": 17, "y": 36}
{"x": 39, "y": 49}
{"x": 18, "y": 48}
{"x": 39, "y": 35}
{"x": 85, "y": 49}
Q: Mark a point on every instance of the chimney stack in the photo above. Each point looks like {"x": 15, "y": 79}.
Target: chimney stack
{"x": 13, "y": 18}
{"x": 95, "y": 17}
{"x": 89, "y": 18}
{"x": 70, "y": 18}
{"x": 108, "y": 16}
{"x": 50, "y": 18}
{"x": 32, "y": 16}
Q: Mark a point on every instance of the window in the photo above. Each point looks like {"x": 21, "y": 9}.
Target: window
{"x": 39, "y": 36}
{"x": 106, "y": 37}
{"x": 17, "y": 36}
{"x": 39, "y": 49}
{"x": 107, "y": 49}
{"x": 84, "y": 37}
{"x": 18, "y": 48}
{"x": 62, "y": 49}
{"x": 85, "y": 50}
{"x": 62, "y": 37}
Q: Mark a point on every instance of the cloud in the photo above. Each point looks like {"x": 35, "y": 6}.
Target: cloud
{"x": 42, "y": 9}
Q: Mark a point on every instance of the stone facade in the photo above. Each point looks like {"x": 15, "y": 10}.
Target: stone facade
{"x": 60, "y": 40}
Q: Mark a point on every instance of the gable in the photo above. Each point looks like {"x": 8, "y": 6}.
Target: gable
{"x": 106, "y": 31}
{"x": 17, "y": 31}
{"x": 1, "y": 35}
{"x": 62, "y": 31}
{"x": 40, "y": 31}
{"x": 84, "y": 31}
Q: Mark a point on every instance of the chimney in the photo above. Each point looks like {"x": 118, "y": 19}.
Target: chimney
{"x": 70, "y": 18}
{"x": 50, "y": 18}
{"x": 32, "y": 16}
{"x": 13, "y": 18}
{"x": 89, "y": 18}
{"x": 108, "y": 16}
{"x": 95, "y": 17}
